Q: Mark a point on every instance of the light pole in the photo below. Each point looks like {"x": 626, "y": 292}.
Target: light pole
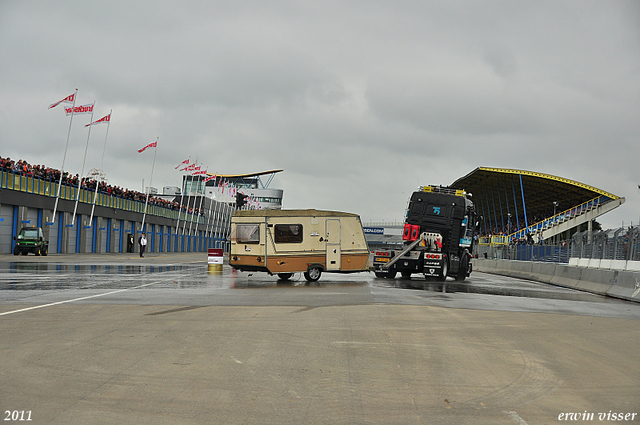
{"x": 555, "y": 205}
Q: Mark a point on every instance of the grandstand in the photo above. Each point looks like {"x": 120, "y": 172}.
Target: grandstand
{"x": 517, "y": 204}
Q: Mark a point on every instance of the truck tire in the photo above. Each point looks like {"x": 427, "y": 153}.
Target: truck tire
{"x": 16, "y": 250}
{"x": 386, "y": 275}
{"x": 464, "y": 268}
{"x": 444, "y": 271}
{"x": 44, "y": 251}
{"x": 313, "y": 273}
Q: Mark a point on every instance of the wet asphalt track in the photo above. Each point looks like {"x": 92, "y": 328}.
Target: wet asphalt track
{"x": 119, "y": 339}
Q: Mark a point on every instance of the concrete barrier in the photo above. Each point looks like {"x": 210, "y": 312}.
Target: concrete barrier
{"x": 622, "y": 284}
{"x": 596, "y": 281}
{"x": 605, "y": 264}
{"x": 626, "y": 285}
{"x": 566, "y": 276}
{"x": 618, "y": 264}
{"x": 633, "y": 266}
{"x": 594, "y": 263}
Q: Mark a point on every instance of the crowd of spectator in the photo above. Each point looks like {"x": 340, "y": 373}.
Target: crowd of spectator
{"x": 23, "y": 168}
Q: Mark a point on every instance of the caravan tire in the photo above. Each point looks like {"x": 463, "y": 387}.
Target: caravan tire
{"x": 313, "y": 273}
{"x": 285, "y": 276}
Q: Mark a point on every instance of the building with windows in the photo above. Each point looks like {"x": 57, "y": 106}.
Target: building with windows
{"x": 223, "y": 188}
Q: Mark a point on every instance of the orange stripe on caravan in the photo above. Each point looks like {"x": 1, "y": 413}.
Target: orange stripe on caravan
{"x": 299, "y": 263}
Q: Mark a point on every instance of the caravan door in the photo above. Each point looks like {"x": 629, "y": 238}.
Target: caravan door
{"x": 333, "y": 243}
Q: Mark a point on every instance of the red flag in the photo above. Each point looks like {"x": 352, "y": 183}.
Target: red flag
{"x": 82, "y": 109}
{"x": 150, "y": 145}
{"x": 197, "y": 173}
{"x": 68, "y": 99}
{"x": 186, "y": 161}
{"x": 105, "y": 119}
{"x": 209, "y": 178}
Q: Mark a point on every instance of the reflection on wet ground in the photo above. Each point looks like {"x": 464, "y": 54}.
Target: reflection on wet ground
{"x": 519, "y": 289}
{"x": 16, "y": 276}
{"x": 25, "y": 276}
{"x": 56, "y": 276}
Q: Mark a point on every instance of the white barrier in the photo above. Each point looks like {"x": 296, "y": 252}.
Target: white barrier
{"x": 623, "y": 284}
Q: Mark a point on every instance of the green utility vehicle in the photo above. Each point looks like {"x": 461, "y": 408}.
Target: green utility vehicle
{"x": 30, "y": 239}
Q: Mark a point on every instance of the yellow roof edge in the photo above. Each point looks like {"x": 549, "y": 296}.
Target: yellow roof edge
{"x": 549, "y": 177}
{"x": 261, "y": 173}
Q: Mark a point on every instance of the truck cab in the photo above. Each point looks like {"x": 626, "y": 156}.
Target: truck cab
{"x": 438, "y": 237}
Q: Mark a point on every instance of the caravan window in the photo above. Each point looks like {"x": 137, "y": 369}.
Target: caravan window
{"x": 288, "y": 233}
{"x": 247, "y": 233}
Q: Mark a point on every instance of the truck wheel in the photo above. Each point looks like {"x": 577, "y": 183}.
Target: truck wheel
{"x": 444, "y": 271}
{"x": 44, "y": 251}
{"x": 37, "y": 251}
{"x": 313, "y": 274}
{"x": 285, "y": 276}
{"x": 464, "y": 268}
{"x": 16, "y": 251}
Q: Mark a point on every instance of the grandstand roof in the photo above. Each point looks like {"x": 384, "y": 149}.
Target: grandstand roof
{"x": 260, "y": 173}
{"x": 501, "y": 185}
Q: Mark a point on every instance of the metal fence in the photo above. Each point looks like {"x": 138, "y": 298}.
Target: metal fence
{"x": 615, "y": 244}
{"x": 526, "y": 252}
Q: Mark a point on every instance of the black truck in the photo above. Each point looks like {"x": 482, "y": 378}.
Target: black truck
{"x": 438, "y": 237}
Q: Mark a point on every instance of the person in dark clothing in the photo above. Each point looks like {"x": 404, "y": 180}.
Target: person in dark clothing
{"x": 143, "y": 244}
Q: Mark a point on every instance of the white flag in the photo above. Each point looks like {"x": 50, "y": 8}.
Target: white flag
{"x": 68, "y": 99}
{"x": 82, "y": 109}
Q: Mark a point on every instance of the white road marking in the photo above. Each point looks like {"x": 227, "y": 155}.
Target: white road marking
{"x": 516, "y": 418}
{"x": 78, "y": 299}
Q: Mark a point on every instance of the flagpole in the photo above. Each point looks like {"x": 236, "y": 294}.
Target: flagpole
{"x": 194, "y": 207}
{"x": 84, "y": 161}
{"x": 200, "y": 207}
{"x": 146, "y": 202}
{"x": 184, "y": 225}
{"x": 104, "y": 148}
{"x": 64, "y": 157}
{"x": 182, "y": 188}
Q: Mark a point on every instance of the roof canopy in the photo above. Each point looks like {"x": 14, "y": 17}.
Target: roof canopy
{"x": 501, "y": 189}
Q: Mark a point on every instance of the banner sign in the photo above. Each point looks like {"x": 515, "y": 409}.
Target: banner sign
{"x": 373, "y": 230}
{"x": 82, "y": 109}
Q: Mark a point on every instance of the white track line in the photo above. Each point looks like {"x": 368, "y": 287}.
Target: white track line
{"x": 516, "y": 418}
{"x": 78, "y": 299}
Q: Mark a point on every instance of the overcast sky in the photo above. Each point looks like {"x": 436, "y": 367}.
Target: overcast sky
{"x": 360, "y": 102}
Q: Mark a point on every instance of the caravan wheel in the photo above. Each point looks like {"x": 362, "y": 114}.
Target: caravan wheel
{"x": 313, "y": 273}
